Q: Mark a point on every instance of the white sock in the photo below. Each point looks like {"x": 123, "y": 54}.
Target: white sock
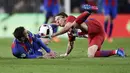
{"x": 115, "y": 51}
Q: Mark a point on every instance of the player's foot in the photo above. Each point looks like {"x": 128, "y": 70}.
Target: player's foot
{"x": 56, "y": 39}
{"x": 89, "y": 7}
{"x": 110, "y": 40}
{"x": 120, "y": 52}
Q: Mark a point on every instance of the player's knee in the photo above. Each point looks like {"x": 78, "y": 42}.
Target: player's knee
{"x": 92, "y": 50}
{"x": 90, "y": 55}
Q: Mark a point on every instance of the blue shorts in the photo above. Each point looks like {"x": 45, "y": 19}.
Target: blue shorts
{"x": 109, "y": 10}
{"x": 52, "y": 10}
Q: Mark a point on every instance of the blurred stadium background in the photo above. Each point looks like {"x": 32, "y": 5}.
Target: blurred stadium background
{"x": 30, "y": 14}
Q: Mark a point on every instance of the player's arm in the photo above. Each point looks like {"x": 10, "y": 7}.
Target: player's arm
{"x": 63, "y": 30}
{"x": 80, "y": 19}
{"x": 70, "y": 47}
{"x": 47, "y": 49}
{"x": 68, "y": 25}
{"x": 39, "y": 41}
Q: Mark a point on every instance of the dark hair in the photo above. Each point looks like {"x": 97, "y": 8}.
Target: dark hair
{"x": 18, "y": 33}
{"x": 62, "y": 14}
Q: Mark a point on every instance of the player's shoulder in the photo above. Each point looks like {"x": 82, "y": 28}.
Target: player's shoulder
{"x": 70, "y": 18}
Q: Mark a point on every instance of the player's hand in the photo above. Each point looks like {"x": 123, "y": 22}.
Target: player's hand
{"x": 53, "y": 35}
{"x": 64, "y": 55}
{"x": 52, "y": 54}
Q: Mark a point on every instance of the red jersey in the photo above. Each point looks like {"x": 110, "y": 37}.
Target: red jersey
{"x": 70, "y": 19}
{"x": 71, "y": 31}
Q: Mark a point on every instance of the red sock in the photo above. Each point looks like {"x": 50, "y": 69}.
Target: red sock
{"x": 82, "y": 17}
{"x": 105, "y": 53}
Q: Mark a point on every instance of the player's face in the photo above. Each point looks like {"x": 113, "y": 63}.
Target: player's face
{"x": 25, "y": 33}
{"x": 25, "y": 37}
{"x": 60, "y": 21}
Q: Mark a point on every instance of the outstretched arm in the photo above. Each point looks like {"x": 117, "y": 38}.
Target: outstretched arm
{"x": 47, "y": 49}
{"x": 39, "y": 41}
{"x": 63, "y": 30}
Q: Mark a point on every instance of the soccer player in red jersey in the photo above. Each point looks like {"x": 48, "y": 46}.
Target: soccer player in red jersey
{"x": 91, "y": 27}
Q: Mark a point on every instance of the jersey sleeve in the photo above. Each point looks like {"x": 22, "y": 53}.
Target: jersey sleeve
{"x": 70, "y": 19}
{"x": 37, "y": 35}
{"x": 38, "y": 40}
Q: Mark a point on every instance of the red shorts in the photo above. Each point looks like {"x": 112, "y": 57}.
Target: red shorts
{"x": 95, "y": 32}
{"x": 97, "y": 40}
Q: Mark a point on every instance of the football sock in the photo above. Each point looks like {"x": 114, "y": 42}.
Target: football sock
{"x": 81, "y": 18}
{"x": 106, "y": 25}
{"x": 104, "y": 53}
{"x": 111, "y": 28}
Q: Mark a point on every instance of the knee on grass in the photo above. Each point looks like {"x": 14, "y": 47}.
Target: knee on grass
{"x": 92, "y": 50}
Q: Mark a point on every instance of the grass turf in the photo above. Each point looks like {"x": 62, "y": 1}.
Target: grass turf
{"x": 77, "y": 62}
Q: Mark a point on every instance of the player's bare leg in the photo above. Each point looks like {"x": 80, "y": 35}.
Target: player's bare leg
{"x": 82, "y": 26}
{"x": 92, "y": 50}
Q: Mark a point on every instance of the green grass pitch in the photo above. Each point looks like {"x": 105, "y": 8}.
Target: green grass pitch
{"x": 77, "y": 62}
